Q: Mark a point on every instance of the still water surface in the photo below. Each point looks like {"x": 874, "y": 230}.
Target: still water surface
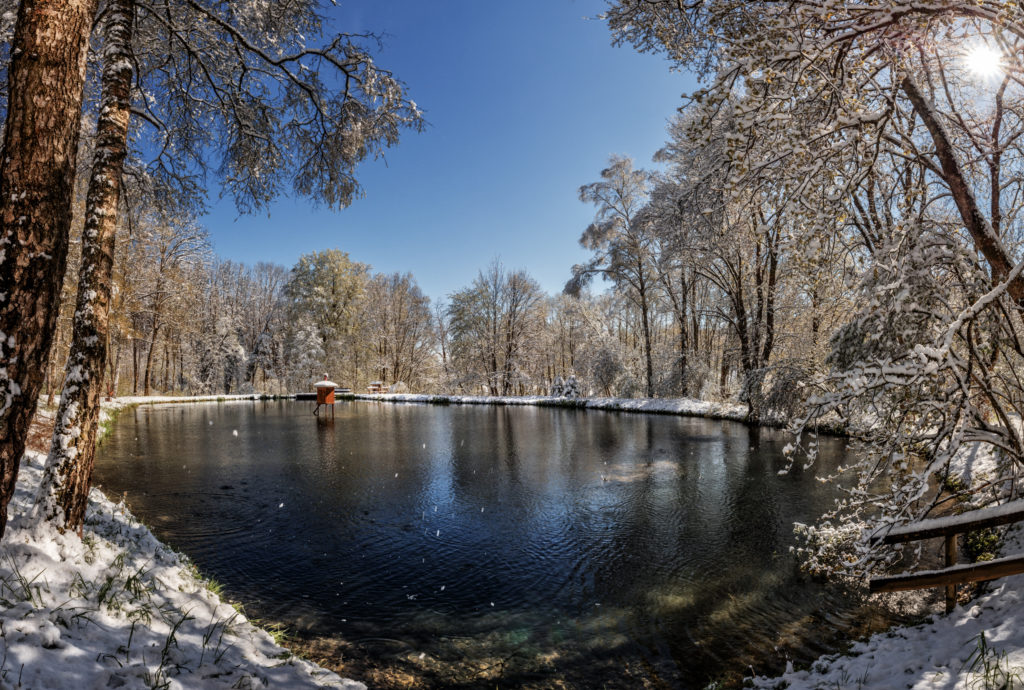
{"x": 470, "y": 546}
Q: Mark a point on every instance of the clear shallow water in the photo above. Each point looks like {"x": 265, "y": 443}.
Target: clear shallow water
{"x": 469, "y": 546}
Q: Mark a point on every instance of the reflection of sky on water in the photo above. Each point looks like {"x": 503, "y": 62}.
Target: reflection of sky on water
{"x": 606, "y": 541}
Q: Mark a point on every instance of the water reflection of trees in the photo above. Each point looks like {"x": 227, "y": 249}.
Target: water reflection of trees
{"x": 610, "y": 541}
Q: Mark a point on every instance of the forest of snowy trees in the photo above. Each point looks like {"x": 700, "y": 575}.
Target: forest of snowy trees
{"x": 858, "y": 165}
{"x": 169, "y": 96}
{"x": 668, "y": 315}
{"x": 678, "y": 299}
{"x": 184, "y": 321}
{"x": 830, "y": 235}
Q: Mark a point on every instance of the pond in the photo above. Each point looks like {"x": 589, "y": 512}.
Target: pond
{"x": 458, "y": 546}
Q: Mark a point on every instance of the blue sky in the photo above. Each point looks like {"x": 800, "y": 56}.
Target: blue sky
{"x": 526, "y": 101}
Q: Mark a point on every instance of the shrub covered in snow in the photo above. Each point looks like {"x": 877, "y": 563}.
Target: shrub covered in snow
{"x": 568, "y": 388}
{"x": 557, "y": 387}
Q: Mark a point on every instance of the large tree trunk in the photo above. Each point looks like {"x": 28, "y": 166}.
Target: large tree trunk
{"x": 72, "y": 451}
{"x": 37, "y": 175}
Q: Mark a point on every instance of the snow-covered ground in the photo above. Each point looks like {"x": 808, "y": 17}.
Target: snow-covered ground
{"x": 678, "y": 406}
{"x": 126, "y": 400}
{"x": 118, "y": 609}
{"x": 980, "y": 646}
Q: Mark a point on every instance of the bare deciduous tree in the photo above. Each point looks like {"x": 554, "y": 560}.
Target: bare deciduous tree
{"x": 621, "y": 237}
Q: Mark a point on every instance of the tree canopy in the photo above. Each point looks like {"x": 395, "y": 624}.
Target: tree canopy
{"x": 870, "y": 131}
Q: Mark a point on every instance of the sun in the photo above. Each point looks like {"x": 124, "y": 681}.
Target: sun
{"x": 984, "y": 61}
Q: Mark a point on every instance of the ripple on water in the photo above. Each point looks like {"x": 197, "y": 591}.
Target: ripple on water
{"x": 611, "y": 551}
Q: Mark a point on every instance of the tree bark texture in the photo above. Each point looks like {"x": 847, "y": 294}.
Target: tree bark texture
{"x": 679, "y": 307}
{"x": 37, "y": 175}
{"x": 73, "y": 448}
{"x": 646, "y": 323}
{"x": 149, "y": 352}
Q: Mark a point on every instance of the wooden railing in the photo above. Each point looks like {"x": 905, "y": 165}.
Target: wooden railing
{"x": 952, "y": 575}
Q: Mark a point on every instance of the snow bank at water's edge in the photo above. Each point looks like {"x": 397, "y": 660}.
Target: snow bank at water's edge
{"x": 118, "y": 609}
{"x": 679, "y": 406}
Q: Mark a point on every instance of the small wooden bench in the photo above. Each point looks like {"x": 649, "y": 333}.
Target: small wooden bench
{"x": 952, "y": 575}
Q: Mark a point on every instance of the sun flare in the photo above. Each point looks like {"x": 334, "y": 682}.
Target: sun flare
{"x": 984, "y": 61}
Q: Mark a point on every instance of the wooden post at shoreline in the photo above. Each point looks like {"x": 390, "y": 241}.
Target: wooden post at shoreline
{"x": 952, "y": 575}
{"x": 950, "y": 562}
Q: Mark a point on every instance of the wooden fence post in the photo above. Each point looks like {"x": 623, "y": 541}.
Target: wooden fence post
{"x": 950, "y": 560}
{"x": 948, "y": 527}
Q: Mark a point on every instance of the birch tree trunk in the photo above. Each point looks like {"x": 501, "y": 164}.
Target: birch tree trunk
{"x": 68, "y": 472}
{"x": 37, "y": 175}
